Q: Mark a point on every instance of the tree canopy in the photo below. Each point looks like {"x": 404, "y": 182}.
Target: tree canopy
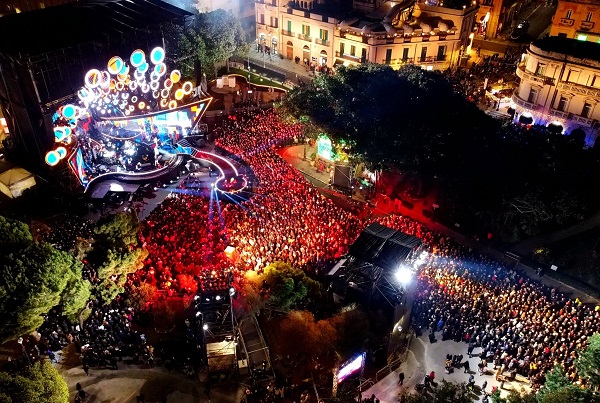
{"x": 34, "y": 279}
{"x": 588, "y": 363}
{"x": 40, "y": 382}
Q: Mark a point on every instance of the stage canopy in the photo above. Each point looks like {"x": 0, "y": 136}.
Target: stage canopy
{"x": 14, "y": 181}
{"x": 383, "y": 247}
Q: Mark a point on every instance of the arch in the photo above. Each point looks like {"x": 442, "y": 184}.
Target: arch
{"x": 263, "y": 37}
{"x": 323, "y": 58}
{"x": 306, "y": 54}
{"x": 289, "y": 51}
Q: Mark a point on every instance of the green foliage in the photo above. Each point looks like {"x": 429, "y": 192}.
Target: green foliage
{"x": 558, "y": 388}
{"x": 588, "y": 363}
{"x": 75, "y": 297}
{"x": 14, "y": 234}
{"x": 514, "y": 397}
{"x": 32, "y": 281}
{"x": 280, "y": 287}
{"x": 185, "y": 47}
{"x": 446, "y": 392}
{"x": 116, "y": 253}
{"x": 39, "y": 383}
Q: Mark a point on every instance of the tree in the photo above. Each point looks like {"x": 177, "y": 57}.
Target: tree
{"x": 280, "y": 287}
{"x": 446, "y": 392}
{"x": 14, "y": 234}
{"x": 40, "y": 382}
{"x": 588, "y": 363}
{"x": 32, "y": 281}
{"x": 116, "y": 253}
{"x": 317, "y": 337}
{"x": 185, "y": 48}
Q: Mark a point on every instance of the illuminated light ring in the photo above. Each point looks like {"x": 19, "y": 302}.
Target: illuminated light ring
{"x": 168, "y": 83}
{"x": 124, "y": 95}
{"x": 157, "y": 55}
{"x": 164, "y": 102}
{"x": 120, "y": 86}
{"x": 113, "y": 84}
{"x": 165, "y": 93}
{"x": 155, "y": 94}
{"x": 62, "y": 152}
{"x": 133, "y": 85}
{"x": 104, "y": 79}
{"x": 198, "y": 154}
{"x": 115, "y": 101}
{"x": 137, "y": 58}
{"x": 122, "y": 77}
{"x": 92, "y": 78}
{"x": 115, "y": 64}
{"x": 134, "y": 99}
{"x": 142, "y": 105}
{"x": 59, "y": 134}
{"x": 220, "y": 188}
{"x": 69, "y": 111}
{"x": 154, "y": 85}
{"x": 68, "y": 131}
{"x": 172, "y": 104}
{"x": 143, "y": 67}
{"x": 175, "y": 76}
{"x": 52, "y": 158}
{"x": 187, "y": 88}
{"x": 124, "y": 70}
{"x": 127, "y": 112}
{"x": 179, "y": 94}
{"x": 145, "y": 88}
{"x": 139, "y": 75}
{"x": 131, "y": 108}
{"x": 154, "y": 76}
{"x": 85, "y": 95}
{"x": 160, "y": 69}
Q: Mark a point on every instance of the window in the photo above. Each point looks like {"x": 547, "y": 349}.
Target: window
{"x": 573, "y": 76}
{"x": 274, "y": 22}
{"x": 352, "y": 50}
{"x": 588, "y": 17}
{"x": 324, "y": 35}
{"x": 388, "y": 56}
{"x": 342, "y": 49}
{"x": 541, "y": 69}
{"x": 262, "y": 19}
{"x": 306, "y": 30}
{"x": 363, "y": 55}
{"x": 587, "y": 110}
{"x": 289, "y": 26}
{"x": 569, "y": 13}
{"x": 595, "y": 81}
{"x": 441, "y": 54}
{"x": 562, "y": 104}
{"x": 274, "y": 2}
{"x": 533, "y": 94}
{"x": 405, "y": 54}
{"x": 423, "y": 53}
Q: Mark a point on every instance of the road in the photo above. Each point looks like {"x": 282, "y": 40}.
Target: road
{"x": 540, "y": 19}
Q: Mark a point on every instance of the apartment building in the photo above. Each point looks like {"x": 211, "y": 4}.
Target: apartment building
{"x": 560, "y": 86}
{"x": 577, "y": 19}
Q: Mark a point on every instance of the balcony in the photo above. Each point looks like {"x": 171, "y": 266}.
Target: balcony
{"x": 287, "y": 33}
{"x": 345, "y": 56}
{"x": 586, "y": 25}
{"x": 432, "y": 59}
{"x": 579, "y": 89}
{"x": 305, "y": 37}
{"x": 523, "y": 103}
{"x": 323, "y": 42}
{"x": 558, "y": 114}
{"x": 524, "y": 74}
{"x": 566, "y": 22}
{"x": 408, "y": 60}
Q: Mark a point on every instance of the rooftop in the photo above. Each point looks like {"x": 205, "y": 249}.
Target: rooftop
{"x": 53, "y": 28}
{"x": 569, "y": 47}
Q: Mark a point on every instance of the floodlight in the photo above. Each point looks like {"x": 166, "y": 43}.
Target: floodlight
{"x": 205, "y": 326}
{"x": 404, "y": 275}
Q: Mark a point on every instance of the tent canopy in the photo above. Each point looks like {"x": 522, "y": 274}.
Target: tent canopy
{"x": 14, "y": 181}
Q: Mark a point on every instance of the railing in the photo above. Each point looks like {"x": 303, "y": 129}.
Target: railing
{"x": 432, "y": 59}
{"x": 578, "y": 88}
{"x": 287, "y": 33}
{"x": 523, "y": 103}
{"x": 305, "y": 37}
{"x": 566, "y": 22}
{"x": 523, "y": 73}
{"x": 323, "y": 42}
{"x": 586, "y": 25}
{"x": 407, "y": 60}
{"x": 353, "y": 58}
{"x": 559, "y": 114}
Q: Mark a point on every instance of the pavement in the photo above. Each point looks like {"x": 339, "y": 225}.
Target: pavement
{"x": 424, "y": 357}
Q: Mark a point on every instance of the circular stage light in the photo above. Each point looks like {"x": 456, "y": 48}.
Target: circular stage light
{"x": 139, "y": 75}
{"x": 168, "y": 83}
{"x": 104, "y": 79}
{"x": 172, "y": 104}
{"x": 52, "y": 158}
{"x": 115, "y": 64}
{"x": 69, "y": 111}
{"x": 145, "y": 88}
{"x": 133, "y": 85}
{"x": 179, "y": 94}
{"x": 121, "y": 77}
{"x": 155, "y": 94}
{"x": 164, "y": 103}
{"x": 120, "y": 86}
{"x": 85, "y": 95}
{"x": 138, "y": 57}
{"x": 142, "y": 105}
{"x": 154, "y": 85}
{"x": 131, "y": 108}
{"x": 59, "y": 134}
{"x": 143, "y": 67}
{"x": 124, "y": 70}
{"x": 187, "y": 88}
{"x": 154, "y": 76}
{"x": 175, "y": 76}
{"x": 157, "y": 55}
{"x": 127, "y": 112}
{"x": 134, "y": 99}
{"x": 62, "y": 152}
{"x": 92, "y": 78}
{"x": 164, "y": 93}
{"x": 160, "y": 69}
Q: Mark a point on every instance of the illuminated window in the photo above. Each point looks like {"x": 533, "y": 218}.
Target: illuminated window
{"x": 573, "y": 76}
{"x": 562, "y": 104}
{"x": 533, "y": 94}
{"x": 587, "y": 110}
{"x": 569, "y": 13}
{"x": 541, "y": 69}
{"x": 582, "y": 37}
{"x": 588, "y": 17}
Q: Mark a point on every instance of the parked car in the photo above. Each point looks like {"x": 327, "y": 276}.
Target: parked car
{"x": 520, "y": 30}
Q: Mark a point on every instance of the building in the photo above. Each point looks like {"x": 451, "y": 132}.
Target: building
{"x": 44, "y": 53}
{"x": 406, "y": 32}
{"x": 560, "y": 87}
{"x": 243, "y": 9}
{"x": 22, "y": 6}
{"x": 577, "y": 19}
{"x": 495, "y": 15}
{"x": 386, "y": 32}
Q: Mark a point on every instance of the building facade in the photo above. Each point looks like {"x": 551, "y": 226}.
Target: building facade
{"x": 389, "y": 32}
{"x": 495, "y": 15}
{"x": 560, "y": 86}
{"x": 243, "y": 9}
{"x": 577, "y": 19}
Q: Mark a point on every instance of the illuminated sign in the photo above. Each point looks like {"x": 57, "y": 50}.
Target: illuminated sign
{"x": 351, "y": 367}
{"x": 324, "y": 147}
